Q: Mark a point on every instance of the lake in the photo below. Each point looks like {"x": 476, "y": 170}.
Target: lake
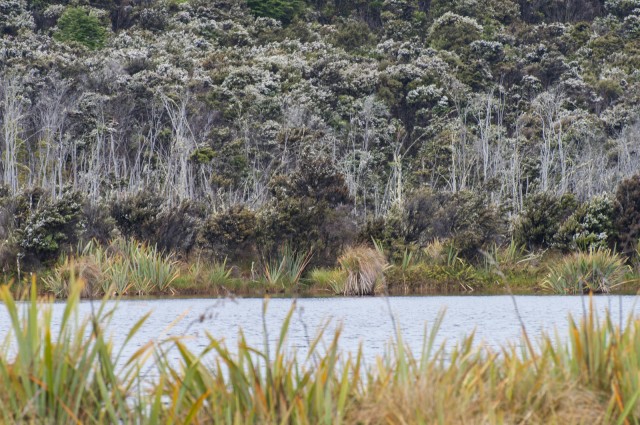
{"x": 367, "y": 321}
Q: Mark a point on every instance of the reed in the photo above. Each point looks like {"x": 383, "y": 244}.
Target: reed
{"x": 70, "y": 375}
{"x": 286, "y": 269}
{"x": 67, "y": 375}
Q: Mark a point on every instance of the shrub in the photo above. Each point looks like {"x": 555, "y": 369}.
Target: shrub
{"x": 353, "y": 35}
{"x": 454, "y": 32}
{"x": 52, "y": 227}
{"x": 79, "y": 26}
{"x": 136, "y": 215}
{"x": 540, "y": 219}
{"x": 464, "y": 218}
{"x": 100, "y": 225}
{"x": 589, "y": 227}
{"x": 177, "y": 229}
{"x": 365, "y": 268}
{"x": 627, "y": 214}
{"x": 309, "y": 211}
{"x": 283, "y": 10}
{"x": 595, "y": 271}
{"x": 230, "y": 233}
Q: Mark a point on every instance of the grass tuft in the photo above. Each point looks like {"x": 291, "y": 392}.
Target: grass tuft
{"x": 594, "y": 271}
{"x": 365, "y": 269}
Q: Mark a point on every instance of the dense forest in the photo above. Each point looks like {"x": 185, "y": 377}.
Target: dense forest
{"x": 233, "y": 127}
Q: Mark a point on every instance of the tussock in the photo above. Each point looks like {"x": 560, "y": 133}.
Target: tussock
{"x": 365, "y": 269}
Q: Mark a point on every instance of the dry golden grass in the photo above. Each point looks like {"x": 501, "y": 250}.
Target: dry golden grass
{"x": 365, "y": 268}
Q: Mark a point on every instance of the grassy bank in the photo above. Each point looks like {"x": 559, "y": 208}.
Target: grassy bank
{"x": 128, "y": 267}
{"x": 71, "y": 374}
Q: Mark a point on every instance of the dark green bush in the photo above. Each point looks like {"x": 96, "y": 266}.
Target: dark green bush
{"x": 79, "y": 26}
{"x": 541, "y": 218}
{"x": 136, "y": 215}
{"x": 309, "y": 211}
{"x": 176, "y": 229}
{"x": 465, "y": 218}
{"x": 230, "y": 233}
{"x": 454, "y": 32}
{"x": 283, "y": 10}
{"x": 627, "y": 214}
{"x": 353, "y": 35}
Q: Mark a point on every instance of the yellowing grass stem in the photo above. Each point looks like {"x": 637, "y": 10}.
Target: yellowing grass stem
{"x": 70, "y": 375}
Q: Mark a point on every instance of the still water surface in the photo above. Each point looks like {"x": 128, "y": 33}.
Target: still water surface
{"x": 366, "y": 321}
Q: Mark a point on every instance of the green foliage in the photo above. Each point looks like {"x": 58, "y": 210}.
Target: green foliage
{"x": 230, "y": 233}
{"x": 79, "y": 26}
{"x": 333, "y": 280}
{"x": 135, "y": 215}
{"x": 539, "y": 222}
{"x": 463, "y": 217}
{"x": 283, "y": 10}
{"x": 454, "y": 32}
{"x": 285, "y": 270}
{"x": 627, "y": 214}
{"x": 353, "y": 35}
{"x": 52, "y": 227}
{"x": 62, "y": 375}
{"x": 589, "y": 227}
{"x": 52, "y": 372}
{"x": 308, "y": 211}
{"x": 595, "y": 271}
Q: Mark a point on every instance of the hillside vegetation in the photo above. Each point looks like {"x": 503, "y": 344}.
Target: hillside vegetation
{"x": 231, "y": 128}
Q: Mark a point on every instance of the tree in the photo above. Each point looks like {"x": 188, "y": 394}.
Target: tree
{"x": 79, "y": 26}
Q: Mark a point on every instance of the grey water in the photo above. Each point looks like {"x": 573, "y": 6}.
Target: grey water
{"x": 368, "y": 322}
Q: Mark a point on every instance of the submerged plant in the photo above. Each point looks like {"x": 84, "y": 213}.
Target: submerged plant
{"x": 594, "y": 271}
{"x": 365, "y": 269}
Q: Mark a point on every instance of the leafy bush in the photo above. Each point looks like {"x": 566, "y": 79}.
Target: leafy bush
{"x": 596, "y": 271}
{"x": 230, "y": 233}
{"x": 308, "y": 211}
{"x": 465, "y": 218}
{"x": 540, "y": 220}
{"x": 177, "y": 229}
{"x": 79, "y": 26}
{"x": 454, "y": 32}
{"x": 136, "y": 215}
{"x": 283, "y": 10}
{"x": 589, "y": 227}
{"x": 365, "y": 268}
{"x": 627, "y": 214}
{"x": 52, "y": 227}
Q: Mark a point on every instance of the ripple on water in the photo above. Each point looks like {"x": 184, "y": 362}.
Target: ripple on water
{"x": 365, "y": 321}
